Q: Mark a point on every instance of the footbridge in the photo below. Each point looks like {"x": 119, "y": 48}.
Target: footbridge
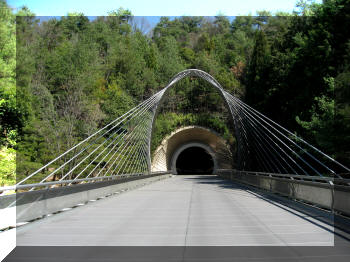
{"x": 276, "y": 189}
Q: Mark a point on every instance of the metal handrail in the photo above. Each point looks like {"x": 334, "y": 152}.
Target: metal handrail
{"x": 313, "y": 178}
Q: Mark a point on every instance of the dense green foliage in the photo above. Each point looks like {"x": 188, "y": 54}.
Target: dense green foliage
{"x": 75, "y": 74}
{"x": 299, "y": 75}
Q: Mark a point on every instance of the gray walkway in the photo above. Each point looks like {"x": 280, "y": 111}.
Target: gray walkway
{"x": 179, "y": 211}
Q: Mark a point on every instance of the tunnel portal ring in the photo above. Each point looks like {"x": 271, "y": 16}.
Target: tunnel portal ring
{"x": 178, "y": 151}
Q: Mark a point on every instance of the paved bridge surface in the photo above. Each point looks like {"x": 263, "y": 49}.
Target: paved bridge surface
{"x": 193, "y": 210}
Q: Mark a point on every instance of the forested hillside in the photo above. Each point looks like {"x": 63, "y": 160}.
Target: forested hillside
{"x": 75, "y": 74}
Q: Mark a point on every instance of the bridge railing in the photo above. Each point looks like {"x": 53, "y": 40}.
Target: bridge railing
{"x": 75, "y": 181}
{"x": 331, "y": 193}
{"x": 30, "y": 205}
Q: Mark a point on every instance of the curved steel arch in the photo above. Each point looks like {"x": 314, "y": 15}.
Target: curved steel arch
{"x": 191, "y": 72}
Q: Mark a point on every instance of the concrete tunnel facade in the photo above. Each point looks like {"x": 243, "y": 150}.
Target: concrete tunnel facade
{"x": 180, "y": 142}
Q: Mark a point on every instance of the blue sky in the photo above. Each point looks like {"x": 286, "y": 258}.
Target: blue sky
{"x": 155, "y": 7}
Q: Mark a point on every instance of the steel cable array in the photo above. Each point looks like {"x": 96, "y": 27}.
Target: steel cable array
{"x": 123, "y": 146}
{"x": 120, "y": 148}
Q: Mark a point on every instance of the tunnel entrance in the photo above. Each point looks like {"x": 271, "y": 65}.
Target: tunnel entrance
{"x": 167, "y": 153}
{"x": 194, "y": 160}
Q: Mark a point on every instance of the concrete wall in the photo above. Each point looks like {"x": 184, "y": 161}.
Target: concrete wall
{"x": 164, "y": 158}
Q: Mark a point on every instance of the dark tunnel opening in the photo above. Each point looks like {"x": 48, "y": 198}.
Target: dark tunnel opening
{"x": 194, "y": 160}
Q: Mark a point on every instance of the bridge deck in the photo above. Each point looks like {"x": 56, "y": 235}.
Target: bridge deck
{"x": 180, "y": 211}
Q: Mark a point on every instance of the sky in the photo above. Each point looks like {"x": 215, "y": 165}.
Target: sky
{"x": 155, "y": 7}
